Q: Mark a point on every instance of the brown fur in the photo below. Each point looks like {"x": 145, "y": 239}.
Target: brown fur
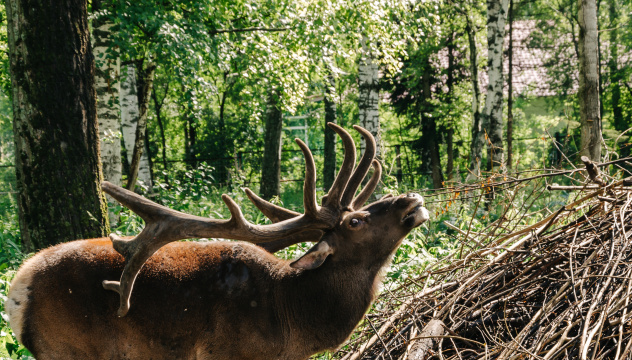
{"x": 203, "y": 300}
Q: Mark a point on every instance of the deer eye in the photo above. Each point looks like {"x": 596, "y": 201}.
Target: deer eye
{"x": 355, "y": 222}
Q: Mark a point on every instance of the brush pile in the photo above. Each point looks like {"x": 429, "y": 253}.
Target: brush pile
{"x": 539, "y": 293}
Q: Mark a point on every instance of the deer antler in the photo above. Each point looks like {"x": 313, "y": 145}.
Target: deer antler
{"x": 164, "y": 225}
{"x": 277, "y": 213}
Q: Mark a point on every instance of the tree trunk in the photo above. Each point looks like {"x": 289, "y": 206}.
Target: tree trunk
{"x": 615, "y": 74}
{"x": 108, "y": 89}
{"x": 493, "y": 111}
{"x": 368, "y": 96}
{"x": 429, "y": 130}
{"x": 510, "y": 89}
{"x": 158, "y": 104}
{"x": 329, "y": 163}
{"x": 450, "y": 128}
{"x": 139, "y": 168}
{"x": 271, "y": 166}
{"x": 191, "y": 138}
{"x": 599, "y": 58}
{"x": 450, "y": 149}
{"x": 590, "y": 144}
{"x": 478, "y": 136}
{"x": 222, "y": 176}
{"x": 55, "y": 123}
{"x": 129, "y": 121}
{"x": 398, "y": 164}
{"x": 129, "y": 111}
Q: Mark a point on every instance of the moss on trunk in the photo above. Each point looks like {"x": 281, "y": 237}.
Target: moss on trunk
{"x": 55, "y": 125}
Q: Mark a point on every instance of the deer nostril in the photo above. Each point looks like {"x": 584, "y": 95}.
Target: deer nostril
{"x": 416, "y": 197}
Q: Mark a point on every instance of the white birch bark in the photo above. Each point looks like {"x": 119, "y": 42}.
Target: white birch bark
{"x": 107, "y": 88}
{"x": 493, "y": 110}
{"x": 129, "y": 119}
{"x": 589, "y": 80}
{"x": 368, "y": 97}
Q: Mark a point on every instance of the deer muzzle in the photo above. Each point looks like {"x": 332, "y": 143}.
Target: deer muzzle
{"x": 415, "y": 213}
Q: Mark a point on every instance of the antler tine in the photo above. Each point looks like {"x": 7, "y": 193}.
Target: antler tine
{"x": 362, "y": 169}
{"x": 277, "y": 213}
{"x": 364, "y": 195}
{"x": 309, "y": 185}
{"x": 339, "y": 185}
{"x": 305, "y": 236}
{"x": 273, "y": 212}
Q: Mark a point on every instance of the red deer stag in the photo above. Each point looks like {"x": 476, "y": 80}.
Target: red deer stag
{"x": 217, "y": 300}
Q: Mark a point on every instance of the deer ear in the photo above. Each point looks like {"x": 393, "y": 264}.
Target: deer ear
{"x": 314, "y": 258}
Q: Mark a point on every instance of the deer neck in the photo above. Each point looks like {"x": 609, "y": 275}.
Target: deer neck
{"x": 328, "y": 302}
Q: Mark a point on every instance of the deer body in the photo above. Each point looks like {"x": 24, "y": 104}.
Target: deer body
{"x": 217, "y": 300}
{"x": 214, "y": 300}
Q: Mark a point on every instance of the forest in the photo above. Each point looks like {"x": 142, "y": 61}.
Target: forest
{"x": 510, "y": 118}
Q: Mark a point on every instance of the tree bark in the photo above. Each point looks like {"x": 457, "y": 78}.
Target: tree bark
{"x": 510, "y": 89}
{"x": 143, "y": 88}
{"x": 108, "y": 89}
{"x": 398, "y": 164}
{"x": 450, "y": 128}
{"x": 615, "y": 74}
{"x": 271, "y": 166}
{"x": 329, "y": 162}
{"x": 478, "y": 136}
{"x": 368, "y": 96}
{"x": 429, "y": 338}
{"x": 599, "y": 58}
{"x": 190, "y": 137}
{"x": 590, "y": 143}
{"x": 450, "y": 149}
{"x": 129, "y": 122}
{"x": 223, "y": 173}
{"x": 493, "y": 111}
{"x": 55, "y": 123}
{"x": 429, "y": 130}
{"x": 158, "y": 104}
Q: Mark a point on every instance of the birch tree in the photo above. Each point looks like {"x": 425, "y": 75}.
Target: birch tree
{"x": 55, "y": 125}
{"x": 107, "y": 86}
{"x": 492, "y": 118}
{"x": 510, "y": 88}
{"x": 130, "y": 115}
{"x": 368, "y": 95}
{"x": 145, "y": 82}
{"x": 590, "y": 143}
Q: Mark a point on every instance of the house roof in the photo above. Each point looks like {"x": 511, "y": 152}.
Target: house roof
{"x": 530, "y": 75}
